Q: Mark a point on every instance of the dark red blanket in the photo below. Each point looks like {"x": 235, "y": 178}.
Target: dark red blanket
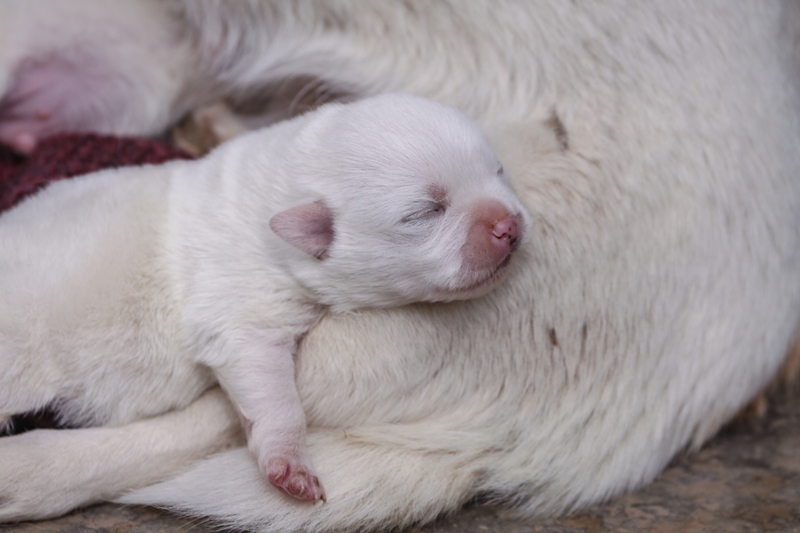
{"x": 64, "y": 156}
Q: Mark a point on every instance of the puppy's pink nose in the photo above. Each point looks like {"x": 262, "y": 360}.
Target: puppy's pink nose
{"x": 506, "y": 230}
{"x": 493, "y": 235}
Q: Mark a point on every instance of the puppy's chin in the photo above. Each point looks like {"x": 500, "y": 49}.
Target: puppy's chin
{"x": 479, "y": 284}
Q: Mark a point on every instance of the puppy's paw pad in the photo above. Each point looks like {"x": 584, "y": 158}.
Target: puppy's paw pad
{"x": 291, "y": 476}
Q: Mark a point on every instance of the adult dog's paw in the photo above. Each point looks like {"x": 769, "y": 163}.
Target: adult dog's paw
{"x": 32, "y": 475}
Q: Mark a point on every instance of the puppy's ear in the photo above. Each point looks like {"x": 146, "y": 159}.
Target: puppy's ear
{"x": 308, "y": 227}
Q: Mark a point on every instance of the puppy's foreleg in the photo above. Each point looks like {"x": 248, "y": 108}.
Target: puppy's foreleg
{"x": 47, "y": 473}
{"x": 260, "y": 380}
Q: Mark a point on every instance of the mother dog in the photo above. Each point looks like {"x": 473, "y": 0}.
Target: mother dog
{"x": 658, "y": 148}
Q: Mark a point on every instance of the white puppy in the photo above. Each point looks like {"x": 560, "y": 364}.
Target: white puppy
{"x": 115, "y": 281}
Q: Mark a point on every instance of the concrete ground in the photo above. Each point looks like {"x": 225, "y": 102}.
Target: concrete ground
{"x": 745, "y": 480}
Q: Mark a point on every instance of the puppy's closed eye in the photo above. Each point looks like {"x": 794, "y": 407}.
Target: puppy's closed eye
{"x": 424, "y": 212}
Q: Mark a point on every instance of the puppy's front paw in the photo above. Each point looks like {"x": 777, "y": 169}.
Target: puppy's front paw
{"x": 294, "y": 475}
{"x": 280, "y": 450}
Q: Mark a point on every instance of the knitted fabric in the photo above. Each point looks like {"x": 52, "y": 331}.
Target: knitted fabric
{"x": 67, "y": 155}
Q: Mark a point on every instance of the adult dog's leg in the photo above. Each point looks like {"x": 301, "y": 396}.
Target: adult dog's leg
{"x": 46, "y": 473}
{"x": 373, "y": 477}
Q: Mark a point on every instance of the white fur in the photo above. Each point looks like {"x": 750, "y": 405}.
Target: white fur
{"x": 658, "y": 292}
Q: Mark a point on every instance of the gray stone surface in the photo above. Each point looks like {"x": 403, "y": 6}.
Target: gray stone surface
{"x": 746, "y": 479}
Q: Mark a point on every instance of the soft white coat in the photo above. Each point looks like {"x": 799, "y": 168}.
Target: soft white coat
{"x": 657, "y": 147}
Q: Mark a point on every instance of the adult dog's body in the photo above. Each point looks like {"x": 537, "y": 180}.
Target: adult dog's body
{"x": 659, "y": 292}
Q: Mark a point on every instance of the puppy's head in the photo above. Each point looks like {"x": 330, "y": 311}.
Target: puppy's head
{"x": 412, "y": 206}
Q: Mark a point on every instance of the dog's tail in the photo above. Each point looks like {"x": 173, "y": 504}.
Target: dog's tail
{"x": 376, "y": 477}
